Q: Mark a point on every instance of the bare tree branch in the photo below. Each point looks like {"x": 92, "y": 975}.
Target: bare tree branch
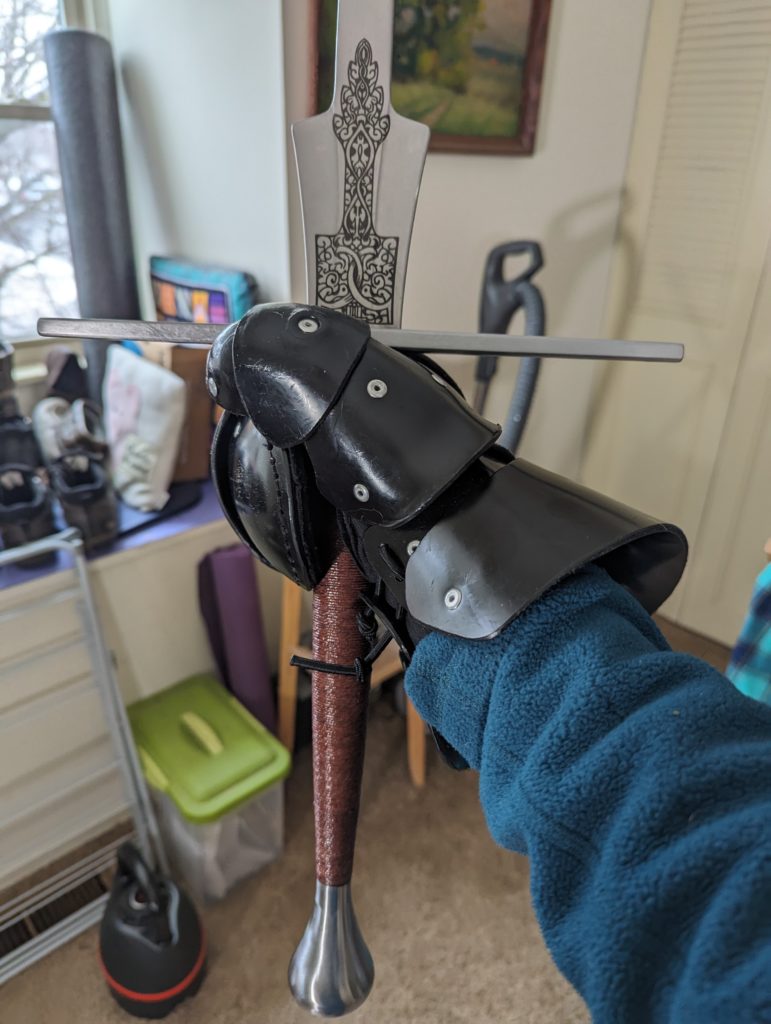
{"x": 34, "y": 241}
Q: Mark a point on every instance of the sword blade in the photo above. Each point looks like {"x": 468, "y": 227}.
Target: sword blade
{"x": 169, "y": 331}
{"x": 439, "y": 342}
{"x": 360, "y": 163}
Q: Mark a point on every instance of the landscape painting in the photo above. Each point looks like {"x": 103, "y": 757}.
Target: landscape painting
{"x": 469, "y": 69}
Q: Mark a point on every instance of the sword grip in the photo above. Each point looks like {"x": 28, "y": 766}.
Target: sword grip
{"x": 339, "y": 717}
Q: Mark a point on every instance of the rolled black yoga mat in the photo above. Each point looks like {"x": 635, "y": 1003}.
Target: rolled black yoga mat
{"x": 84, "y": 104}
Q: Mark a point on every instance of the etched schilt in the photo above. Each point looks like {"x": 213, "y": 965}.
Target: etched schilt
{"x": 356, "y": 267}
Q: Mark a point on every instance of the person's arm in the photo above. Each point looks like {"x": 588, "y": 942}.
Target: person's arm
{"x": 638, "y": 781}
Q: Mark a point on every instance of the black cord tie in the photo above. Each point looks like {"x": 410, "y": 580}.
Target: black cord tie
{"x": 367, "y": 624}
{"x": 359, "y": 669}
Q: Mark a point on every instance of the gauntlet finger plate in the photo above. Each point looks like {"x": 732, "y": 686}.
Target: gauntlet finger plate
{"x": 479, "y": 567}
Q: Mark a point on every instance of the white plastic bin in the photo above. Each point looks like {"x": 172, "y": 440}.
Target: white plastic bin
{"x": 216, "y": 775}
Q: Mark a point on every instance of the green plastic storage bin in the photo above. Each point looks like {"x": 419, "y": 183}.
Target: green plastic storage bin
{"x": 216, "y": 776}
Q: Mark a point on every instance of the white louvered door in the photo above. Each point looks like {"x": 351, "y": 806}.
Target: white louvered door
{"x": 695, "y": 226}
{"x": 737, "y": 517}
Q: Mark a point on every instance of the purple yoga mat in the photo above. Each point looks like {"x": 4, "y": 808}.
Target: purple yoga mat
{"x": 230, "y": 605}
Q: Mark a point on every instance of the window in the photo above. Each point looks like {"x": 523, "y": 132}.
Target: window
{"x": 36, "y": 275}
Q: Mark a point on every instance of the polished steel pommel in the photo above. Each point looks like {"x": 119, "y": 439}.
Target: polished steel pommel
{"x": 331, "y": 972}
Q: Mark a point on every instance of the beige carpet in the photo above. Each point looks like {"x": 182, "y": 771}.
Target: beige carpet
{"x": 446, "y": 913}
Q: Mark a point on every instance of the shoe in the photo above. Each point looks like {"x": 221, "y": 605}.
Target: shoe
{"x": 84, "y": 431}
{"x": 85, "y": 493}
{"x": 66, "y": 377}
{"x": 18, "y": 445}
{"x": 61, "y": 427}
{"x": 25, "y": 510}
{"x": 49, "y": 417}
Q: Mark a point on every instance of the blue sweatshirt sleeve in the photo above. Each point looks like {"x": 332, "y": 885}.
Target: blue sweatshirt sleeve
{"x": 638, "y": 781}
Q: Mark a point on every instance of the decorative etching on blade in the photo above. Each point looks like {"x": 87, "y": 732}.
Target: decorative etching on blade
{"x": 356, "y": 267}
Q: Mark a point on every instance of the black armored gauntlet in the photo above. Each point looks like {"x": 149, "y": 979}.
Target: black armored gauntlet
{"x": 328, "y": 432}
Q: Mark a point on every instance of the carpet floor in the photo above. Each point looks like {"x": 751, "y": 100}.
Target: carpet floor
{"x": 446, "y": 914}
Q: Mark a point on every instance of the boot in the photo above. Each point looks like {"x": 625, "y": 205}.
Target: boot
{"x": 17, "y": 441}
{"x": 66, "y": 377}
{"x": 85, "y": 493}
{"x": 25, "y": 510}
{"x": 61, "y": 428}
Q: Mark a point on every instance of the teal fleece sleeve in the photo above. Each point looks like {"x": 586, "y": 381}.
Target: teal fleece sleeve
{"x": 638, "y": 782}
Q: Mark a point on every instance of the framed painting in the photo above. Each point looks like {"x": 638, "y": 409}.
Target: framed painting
{"x": 469, "y": 69}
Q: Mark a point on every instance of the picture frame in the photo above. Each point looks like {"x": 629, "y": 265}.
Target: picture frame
{"x": 478, "y": 89}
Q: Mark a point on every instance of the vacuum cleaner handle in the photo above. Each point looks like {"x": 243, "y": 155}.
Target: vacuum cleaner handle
{"x": 500, "y": 299}
{"x": 500, "y": 295}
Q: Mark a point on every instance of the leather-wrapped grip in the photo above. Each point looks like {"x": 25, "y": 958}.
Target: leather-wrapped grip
{"x": 339, "y": 718}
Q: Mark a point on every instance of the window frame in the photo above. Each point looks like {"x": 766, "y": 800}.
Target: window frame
{"x": 91, "y": 15}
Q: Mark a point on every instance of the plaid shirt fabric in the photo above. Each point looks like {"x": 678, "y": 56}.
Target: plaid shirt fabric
{"x": 750, "y": 666}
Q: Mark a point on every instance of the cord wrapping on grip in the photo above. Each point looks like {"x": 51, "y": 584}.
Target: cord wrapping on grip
{"x": 339, "y": 715}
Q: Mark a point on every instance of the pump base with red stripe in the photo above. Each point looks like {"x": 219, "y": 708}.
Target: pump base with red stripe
{"x": 152, "y": 946}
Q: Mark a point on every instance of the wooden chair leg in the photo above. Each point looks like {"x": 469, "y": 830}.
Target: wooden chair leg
{"x": 388, "y": 665}
{"x": 291, "y": 612}
{"x": 416, "y": 746}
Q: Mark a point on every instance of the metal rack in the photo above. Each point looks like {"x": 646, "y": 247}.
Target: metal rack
{"x": 36, "y": 919}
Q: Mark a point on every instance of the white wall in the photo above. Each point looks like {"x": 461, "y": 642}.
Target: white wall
{"x": 566, "y": 195}
{"x": 207, "y": 88}
{"x": 203, "y": 127}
